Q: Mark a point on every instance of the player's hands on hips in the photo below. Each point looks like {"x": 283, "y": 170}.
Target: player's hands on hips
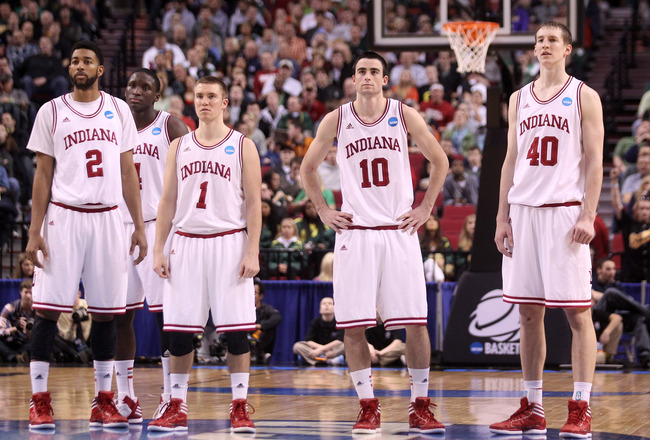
{"x": 36, "y": 243}
{"x": 336, "y": 220}
{"x": 413, "y": 219}
{"x": 503, "y": 238}
{"x": 139, "y": 239}
{"x": 582, "y": 232}
{"x": 161, "y": 265}
{"x": 249, "y": 266}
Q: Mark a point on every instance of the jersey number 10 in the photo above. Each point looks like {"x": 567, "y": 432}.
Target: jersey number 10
{"x": 377, "y": 172}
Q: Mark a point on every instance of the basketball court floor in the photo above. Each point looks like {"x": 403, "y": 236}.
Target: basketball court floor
{"x": 320, "y": 403}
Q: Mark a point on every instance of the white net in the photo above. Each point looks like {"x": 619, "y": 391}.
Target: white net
{"x": 470, "y": 41}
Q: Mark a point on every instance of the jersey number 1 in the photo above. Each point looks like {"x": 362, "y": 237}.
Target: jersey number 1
{"x": 379, "y": 169}
{"x": 204, "y": 191}
{"x": 543, "y": 151}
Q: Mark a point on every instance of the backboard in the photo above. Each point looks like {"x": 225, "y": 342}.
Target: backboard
{"x": 392, "y": 23}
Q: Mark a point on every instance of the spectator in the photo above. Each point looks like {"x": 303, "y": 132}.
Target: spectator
{"x": 16, "y": 321}
{"x": 282, "y": 82}
{"x": 8, "y": 211}
{"x": 269, "y": 222}
{"x": 437, "y": 109}
{"x": 267, "y": 319}
{"x": 465, "y": 243}
{"x": 24, "y": 267}
{"x": 71, "y": 342}
{"x": 432, "y": 78}
{"x": 177, "y": 108}
{"x": 253, "y": 132}
{"x": 340, "y": 70}
{"x": 460, "y": 187}
{"x": 287, "y": 154}
{"x": 279, "y": 198}
{"x": 312, "y": 231}
{"x": 287, "y": 264}
{"x": 274, "y": 111}
{"x": 187, "y": 18}
{"x": 18, "y": 50}
{"x": 636, "y": 230}
{"x": 326, "y": 273}
{"x": 310, "y": 103}
{"x": 611, "y": 306}
{"x": 297, "y": 45}
{"x": 70, "y": 27}
{"x": 323, "y": 342}
{"x": 43, "y": 73}
{"x": 447, "y": 74}
{"x": 160, "y": 45}
{"x": 329, "y": 171}
{"x": 179, "y": 37}
{"x": 474, "y": 159}
{"x": 600, "y": 242}
{"x": 460, "y": 133}
{"x": 266, "y": 72}
{"x": 405, "y": 89}
{"x": 386, "y": 347}
{"x": 433, "y": 242}
{"x": 407, "y": 61}
{"x": 298, "y": 135}
{"x": 633, "y": 181}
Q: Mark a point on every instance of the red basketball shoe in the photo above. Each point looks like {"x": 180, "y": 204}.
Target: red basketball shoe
{"x": 528, "y": 419}
{"x": 173, "y": 419}
{"x": 421, "y": 419}
{"x": 369, "y": 418}
{"x": 104, "y": 412}
{"x": 578, "y": 424}
{"x": 40, "y": 411}
{"x": 240, "y": 419}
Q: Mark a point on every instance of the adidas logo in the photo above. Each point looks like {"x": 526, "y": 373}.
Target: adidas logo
{"x": 343, "y": 248}
{"x": 51, "y": 223}
{"x": 349, "y": 126}
{"x": 66, "y": 119}
{"x": 106, "y": 376}
{"x": 241, "y": 385}
{"x": 359, "y": 383}
{"x": 526, "y": 106}
{"x": 117, "y": 374}
{"x": 39, "y": 377}
{"x": 177, "y": 386}
{"x": 173, "y": 252}
{"x": 425, "y": 381}
{"x": 186, "y": 149}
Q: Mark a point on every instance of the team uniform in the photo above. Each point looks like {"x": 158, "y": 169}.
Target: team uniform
{"x": 209, "y": 240}
{"x": 149, "y": 158}
{"x": 82, "y": 227}
{"x": 377, "y": 189}
{"x": 545, "y": 201}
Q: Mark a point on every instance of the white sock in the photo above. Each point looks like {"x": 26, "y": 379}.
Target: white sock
{"x": 167, "y": 386}
{"x": 362, "y": 381}
{"x": 581, "y": 391}
{"x": 533, "y": 391}
{"x": 239, "y": 384}
{"x": 39, "y": 372}
{"x": 124, "y": 379}
{"x": 179, "y": 385}
{"x": 103, "y": 376}
{"x": 419, "y": 382}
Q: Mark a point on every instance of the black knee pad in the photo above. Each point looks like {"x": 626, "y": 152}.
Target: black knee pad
{"x": 164, "y": 336}
{"x": 103, "y": 339}
{"x": 237, "y": 342}
{"x": 180, "y": 343}
{"x": 42, "y": 339}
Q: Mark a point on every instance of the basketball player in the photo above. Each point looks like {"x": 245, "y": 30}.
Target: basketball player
{"x": 83, "y": 143}
{"x": 550, "y": 185}
{"x": 377, "y": 263}
{"x": 212, "y": 200}
{"x": 156, "y": 129}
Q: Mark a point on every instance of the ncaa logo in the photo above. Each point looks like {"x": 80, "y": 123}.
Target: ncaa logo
{"x": 476, "y": 348}
{"x": 230, "y": 149}
{"x": 156, "y": 131}
{"x": 392, "y": 121}
{"x": 109, "y": 114}
{"x": 567, "y": 101}
{"x": 495, "y": 319}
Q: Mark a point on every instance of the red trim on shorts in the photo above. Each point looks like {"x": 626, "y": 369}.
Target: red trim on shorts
{"x": 395, "y": 322}
{"x": 558, "y": 205}
{"x": 368, "y": 322}
{"x": 218, "y": 234}
{"x": 550, "y": 303}
{"x": 376, "y": 228}
{"x": 107, "y": 310}
{"x": 50, "y": 306}
{"x": 135, "y": 306}
{"x": 235, "y": 327}
{"x": 87, "y": 210}
{"x": 182, "y": 328}
{"x": 155, "y": 308}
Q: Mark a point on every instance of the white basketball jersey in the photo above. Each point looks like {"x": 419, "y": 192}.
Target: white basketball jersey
{"x": 149, "y": 158}
{"x": 210, "y": 190}
{"x": 86, "y": 140}
{"x": 550, "y": 165}
{"x": 375, "y": 173}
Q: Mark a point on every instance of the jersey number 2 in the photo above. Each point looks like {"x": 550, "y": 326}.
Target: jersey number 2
{"x": 379, "y": 170}
{"x": 543, "y": 151}
{"x": 92, "y": 166}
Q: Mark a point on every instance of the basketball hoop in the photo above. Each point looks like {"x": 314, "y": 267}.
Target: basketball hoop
{"x": 470, "y": 41}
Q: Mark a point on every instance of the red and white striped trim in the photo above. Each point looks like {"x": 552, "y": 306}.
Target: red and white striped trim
{"x": 54, "y": 307}
{"x": 107, "y": 310}
{"x": 183, "y": 328}
{"x": 135, "y": 306}
{"x": 366, "y": 322}
{"x": 550, "y": 303}
{"x": 248, "y": 326}
{"x": 155, "y": 308}
{"x": 391, "y": 324}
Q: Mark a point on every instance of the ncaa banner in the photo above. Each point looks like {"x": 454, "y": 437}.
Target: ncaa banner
{"x": 482, "y": 329}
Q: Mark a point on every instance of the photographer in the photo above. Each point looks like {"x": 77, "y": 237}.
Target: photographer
{"x": 16, "y": 321}
{"x": 71, "y": 343}
{"x": 267, "y": 319}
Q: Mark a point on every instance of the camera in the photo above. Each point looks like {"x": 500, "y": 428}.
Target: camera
{"x": 80, "y": 315}
{"x": 29, "y": 323}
